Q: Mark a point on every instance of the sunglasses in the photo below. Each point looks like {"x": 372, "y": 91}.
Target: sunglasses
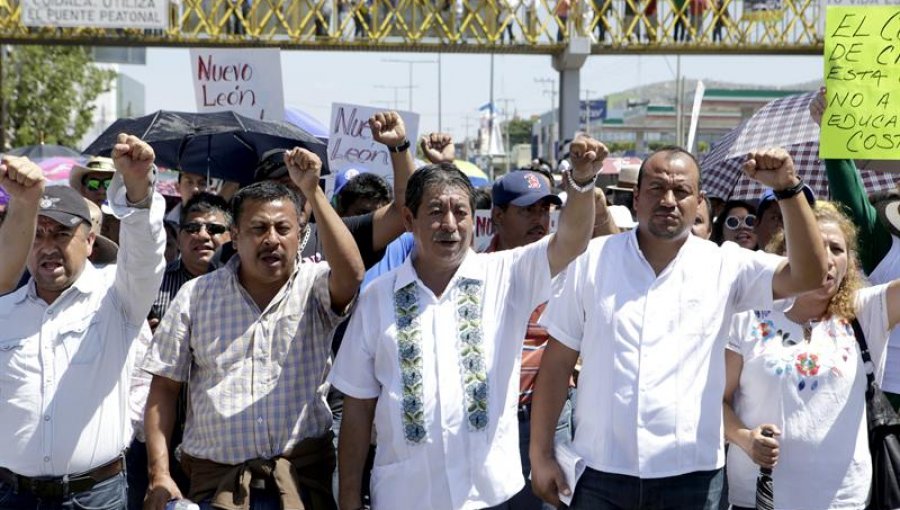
{"x": 94, "y": 184}
{"x": 213, "y": 229}
{"x": 736, "y": 222}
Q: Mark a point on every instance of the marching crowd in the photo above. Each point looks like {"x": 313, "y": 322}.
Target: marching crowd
{"x": 266, "y": 347}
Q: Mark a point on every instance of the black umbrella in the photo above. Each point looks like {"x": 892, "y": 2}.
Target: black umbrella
{"x": 218, "y": 144}
{"x": 44, "y": 151}
{"x": 765, "y": 490}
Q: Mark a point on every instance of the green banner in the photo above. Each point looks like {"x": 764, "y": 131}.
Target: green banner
{"x": 862, "y": 79}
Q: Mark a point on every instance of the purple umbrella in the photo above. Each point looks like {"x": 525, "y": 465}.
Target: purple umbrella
{"x": 305, "y": 122}
{"x": 4, "y": 197}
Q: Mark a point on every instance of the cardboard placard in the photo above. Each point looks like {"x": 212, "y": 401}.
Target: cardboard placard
{"x": 245, "y": 81}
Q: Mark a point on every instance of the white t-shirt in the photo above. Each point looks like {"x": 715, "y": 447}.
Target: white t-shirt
{"x": 815, "y": 392}
{"x": 887, "y": 271}
{"x": 653, "y": 375}
{"x": 451, "y": 465}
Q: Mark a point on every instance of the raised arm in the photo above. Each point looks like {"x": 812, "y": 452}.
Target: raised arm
{"x": 141, "y": 261}
{"x": 806, "y": 266}
{"x": 387, "y": 224}
{"x": 340, "y": 249}
{"x": 24, "y": 181}
{"x": 846, "y": 188}
{"x": 576, "y": 222}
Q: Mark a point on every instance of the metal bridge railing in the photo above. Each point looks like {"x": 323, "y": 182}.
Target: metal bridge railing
{"x": 507, "y": 26}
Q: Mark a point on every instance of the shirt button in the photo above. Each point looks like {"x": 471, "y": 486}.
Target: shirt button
{"x": 259, "y": 420}
{"x": 46, "y": 459}
{"x": 46, "y": 417}
{"x": 49, "y": 312}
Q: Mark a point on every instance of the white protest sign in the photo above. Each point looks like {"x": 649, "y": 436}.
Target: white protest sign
{"x": 144, "y": 14}
{"x": 350, "y": 142}
{"x": 245, "y": 81}
{"x": 695, "y": 115}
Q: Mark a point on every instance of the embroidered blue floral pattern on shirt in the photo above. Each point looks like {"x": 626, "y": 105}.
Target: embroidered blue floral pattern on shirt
{"x": 473, "y": 369}
{"x": 409, "y": 352}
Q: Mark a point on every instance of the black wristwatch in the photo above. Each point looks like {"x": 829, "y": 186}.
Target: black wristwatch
{"x": 400, "y": 148}
{"x": 791, "y": 192}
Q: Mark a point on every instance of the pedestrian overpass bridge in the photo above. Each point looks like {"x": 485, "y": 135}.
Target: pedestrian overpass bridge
{"x": 548, "y": 27}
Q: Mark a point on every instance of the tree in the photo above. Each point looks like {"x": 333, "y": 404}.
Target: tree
{"x": 519, "y": 131}
{"x": 49, "y": 93}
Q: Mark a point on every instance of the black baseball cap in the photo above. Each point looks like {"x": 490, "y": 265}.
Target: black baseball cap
{"x": 522, "y": 189}
{"x": 271, "y": 166}
{"x": 65, "y": 206}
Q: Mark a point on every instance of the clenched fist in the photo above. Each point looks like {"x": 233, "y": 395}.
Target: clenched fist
{"x": 438, "y": 148}
{"x": 388, "y": 128}
{"x": 586, "y": 155}
{"x": 773, "y": 168}
{"x": 305, "y": 168}
{"x": 22, "y": 178}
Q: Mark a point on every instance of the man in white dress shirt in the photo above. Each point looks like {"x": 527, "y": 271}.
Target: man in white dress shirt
{"x": 66, "y": 353}
{"x": 432, "y": 353}
{"x": 645, "y": 310}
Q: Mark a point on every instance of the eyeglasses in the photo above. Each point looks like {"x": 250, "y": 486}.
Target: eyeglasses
{"x": 94, "y": 184}
{"x": 213, "y": 229}
{"x": 736, "y": 222}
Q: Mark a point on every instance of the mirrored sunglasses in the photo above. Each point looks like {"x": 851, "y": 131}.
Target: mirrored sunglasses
{"x": 213, "y": 229}
{"x": 736, "y": 222}
{"x": 94, "y": 184}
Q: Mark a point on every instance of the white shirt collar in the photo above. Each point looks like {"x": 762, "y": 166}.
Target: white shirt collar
{"x": 407, "y": 274}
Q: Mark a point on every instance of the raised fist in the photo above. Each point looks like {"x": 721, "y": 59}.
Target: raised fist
{"x": 388, "y": 128}
{"x": 438, "y": 148}
{"x": 132, "y": 156}
{"x": 305, "y": 168}
{"x": 586, "y": 155}
{"x": 773, "y": 168}
{"x": 21, "y": 178}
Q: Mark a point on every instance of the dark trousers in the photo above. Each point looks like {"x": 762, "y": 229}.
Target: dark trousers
{"x": 700, "y": 490}
{"x": 136, "y": 474}
{"x": 110, "y": 494}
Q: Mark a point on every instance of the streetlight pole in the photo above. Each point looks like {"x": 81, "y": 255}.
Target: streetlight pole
{"x": 552, "y": 91}
{"x": 507, "y": 147}
{"x": 412, "y": 63}
{"x": 587, "y": 102}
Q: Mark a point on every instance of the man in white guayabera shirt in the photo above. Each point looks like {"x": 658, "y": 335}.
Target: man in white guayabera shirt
{"x": 645, "y": 310}
{"x": 66, "y": 339}
{"x": 433, "y": 350}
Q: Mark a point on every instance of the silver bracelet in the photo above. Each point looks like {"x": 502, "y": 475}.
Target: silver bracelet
{"x": 581, "y": 189}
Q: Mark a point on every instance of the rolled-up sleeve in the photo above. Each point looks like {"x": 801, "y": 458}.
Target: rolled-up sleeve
{"x": 141, "y": 260}
{"x": 169, "y": 354}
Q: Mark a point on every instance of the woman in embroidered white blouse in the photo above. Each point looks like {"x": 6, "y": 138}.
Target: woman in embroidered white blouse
{"x": 797, "y": 372}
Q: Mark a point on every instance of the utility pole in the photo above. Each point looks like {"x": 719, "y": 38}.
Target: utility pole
{"x": 552, "y": 92}
{"x": 466, "y": 143}
{"x": 679, "y": 121}
{"x": 411, "y": 64}
{"x": 491, "y": 124}
{"x": 587, "y": 101}
{"x": 395, "y": 88}
{"x": 508, "y": 148}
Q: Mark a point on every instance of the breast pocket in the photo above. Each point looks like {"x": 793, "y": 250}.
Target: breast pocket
{"x": 16, "y": 361}
{"x": 80, "y": 342}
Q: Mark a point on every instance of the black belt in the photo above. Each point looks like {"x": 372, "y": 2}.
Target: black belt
{"x": 64, "y": 486}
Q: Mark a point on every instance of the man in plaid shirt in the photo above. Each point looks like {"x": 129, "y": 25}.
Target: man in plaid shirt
{"x": 253, "y": 341}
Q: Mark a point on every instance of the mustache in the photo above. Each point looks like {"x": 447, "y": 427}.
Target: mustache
{"x": 446, "y": 237}
{"x": 537, "y": 230}
{"x": 667, "y": 210}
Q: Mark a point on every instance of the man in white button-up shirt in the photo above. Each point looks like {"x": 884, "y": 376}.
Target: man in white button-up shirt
{"x": 432, "y": 353}
{"x": 646, "y": 309}
{"x": 66, "y": 354}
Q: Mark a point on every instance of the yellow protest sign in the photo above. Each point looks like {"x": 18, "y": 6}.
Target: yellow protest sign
{"x": 862, "y": 78}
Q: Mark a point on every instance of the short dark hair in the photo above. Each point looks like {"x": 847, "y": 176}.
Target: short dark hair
{"x": 203, "y": 203}
{"x": 363, "y": 186}
{"x": 264, "y": 191}
{"x": 673, "y": 151}
{"x": 443, "y": 173}
{"x": 483, "y": 198}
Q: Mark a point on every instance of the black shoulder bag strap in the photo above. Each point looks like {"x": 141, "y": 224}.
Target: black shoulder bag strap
{"x": 868, "y": 366}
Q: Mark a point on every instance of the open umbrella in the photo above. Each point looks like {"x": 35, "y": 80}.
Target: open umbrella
{"x": 43, "y": 151}
{"x": 218, "y": 144}
{"x": 57, "y": 169}
{"x": 305, "y": 122}
{"x": 476, "y": 176}
{"x": 782, "y": 123}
